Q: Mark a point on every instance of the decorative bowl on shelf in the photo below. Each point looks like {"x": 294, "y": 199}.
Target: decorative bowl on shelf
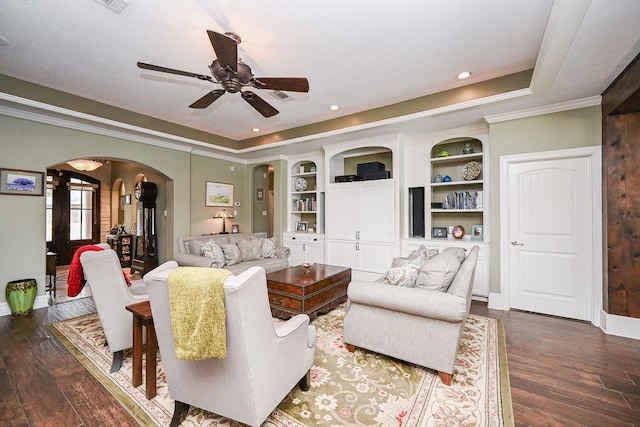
{"x": 471, "y": 171}
{"x": 442, "y": 153}
{"x": 458, "y": 232}
{"x": 300, "y": 184}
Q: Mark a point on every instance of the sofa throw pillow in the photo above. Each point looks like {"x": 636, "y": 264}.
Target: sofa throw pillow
{"x": 214, "y": 251}
{"x": 232, "y": 254}
{"x": 269, "y": 247}
{"x": 250, "y": 249}
{"x": 404, "y": 274}
{"x": 438, "y": 272}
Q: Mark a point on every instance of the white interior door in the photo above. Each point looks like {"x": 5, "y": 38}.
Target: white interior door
{"x": 549, "y": 233}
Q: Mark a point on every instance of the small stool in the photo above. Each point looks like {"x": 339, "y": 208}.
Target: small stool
{"x": 51, "y": 271}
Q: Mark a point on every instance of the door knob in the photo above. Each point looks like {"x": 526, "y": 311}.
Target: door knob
{"x": 515, "y": 243}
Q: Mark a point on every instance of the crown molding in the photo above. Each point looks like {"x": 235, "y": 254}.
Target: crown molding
{"x": 546, "y": 109}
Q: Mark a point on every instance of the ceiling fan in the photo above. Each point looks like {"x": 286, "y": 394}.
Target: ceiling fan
{"x": 229, "y": 71}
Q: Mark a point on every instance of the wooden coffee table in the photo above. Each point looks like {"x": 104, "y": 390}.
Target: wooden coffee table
{"x": 293, "y": 291}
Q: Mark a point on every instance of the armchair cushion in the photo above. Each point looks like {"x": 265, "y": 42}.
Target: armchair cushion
{"x": 438, "y": 272}
{"x": 404, "y": 273}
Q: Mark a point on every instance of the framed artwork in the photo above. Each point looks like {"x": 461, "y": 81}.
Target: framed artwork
{"x": 476, "y": 232}
{"x": 21, "y": 182}
{"x": 302, "y": 226}
{"x": 235, "y": 228}
{"x": 439, "y": 232}
{"x": 218, "y": 194}
{"x": 259, "y": 194}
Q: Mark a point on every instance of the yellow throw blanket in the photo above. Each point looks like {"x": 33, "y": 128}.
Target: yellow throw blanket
{"x": 196, "y": 302}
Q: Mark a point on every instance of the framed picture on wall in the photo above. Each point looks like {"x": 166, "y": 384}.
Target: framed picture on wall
{"x": 218, "y": 194}
{"x": 21, "y": 182}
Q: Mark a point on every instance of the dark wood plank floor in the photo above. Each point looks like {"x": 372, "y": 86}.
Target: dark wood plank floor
{"x": 563, "y": 373}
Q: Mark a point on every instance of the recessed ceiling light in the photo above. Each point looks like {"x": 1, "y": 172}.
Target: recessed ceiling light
{"x": 255, "y": 130}
{"x": 334, "y": 107}
{"x": 464, "y": 75}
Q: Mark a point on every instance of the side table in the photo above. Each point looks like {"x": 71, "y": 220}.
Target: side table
{"x": 142, "y": 316}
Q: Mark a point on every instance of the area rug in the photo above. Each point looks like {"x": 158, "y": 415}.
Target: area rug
{"x": 347, "y": 389}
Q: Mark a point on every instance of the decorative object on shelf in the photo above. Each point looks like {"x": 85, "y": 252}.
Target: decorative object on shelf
{"x": 439, "y": 232}
{"x": 307, "y": 267}
{"x": 438, "y": 178}
{"x": 476, "y": 232}
{"x": 471, "y": 171}
{"x": 458, "y": 231}
{"x": 313, "y": 169}
{"x": 21, "y": 294}
{"x": 447, "y": 178}
{"x": 235, "y": 228}
{"x": 224, "y": 214}
{"x": 467, "y": 149}
{"x": 21, "y": 182}
{"x": 442, "y": 153}
{"x": 302, "y": 226}
{"x": 219, "y": 194}
{"x": 300, "y": 184}
{"x": 301, "y": 169}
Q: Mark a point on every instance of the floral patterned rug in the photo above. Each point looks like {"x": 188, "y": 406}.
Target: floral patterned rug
{"x": 347, "y": 389}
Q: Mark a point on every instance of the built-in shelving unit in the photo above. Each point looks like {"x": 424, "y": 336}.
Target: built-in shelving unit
{"x": 457, "y": 199}
{"x": 306, "y": 201}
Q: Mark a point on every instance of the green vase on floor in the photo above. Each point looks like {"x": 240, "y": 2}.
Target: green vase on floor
{"x": 21, "y": 294}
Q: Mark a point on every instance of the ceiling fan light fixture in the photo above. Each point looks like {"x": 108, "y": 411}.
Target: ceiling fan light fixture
{"x": 85, "y": 165}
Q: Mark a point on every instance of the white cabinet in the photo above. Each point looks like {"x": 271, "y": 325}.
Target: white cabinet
{"x": 481, "y": 280}
{"x": 305, "y": 248}
{"x": 361, "y": 224}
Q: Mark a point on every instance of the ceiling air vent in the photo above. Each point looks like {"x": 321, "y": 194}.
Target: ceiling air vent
{"x": 116, "y": 5}
{"x": 282, "y": 96}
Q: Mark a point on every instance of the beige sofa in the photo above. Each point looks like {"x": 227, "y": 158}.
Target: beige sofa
{"x": 420, "y": 326}
{"x": 234, "y": 246}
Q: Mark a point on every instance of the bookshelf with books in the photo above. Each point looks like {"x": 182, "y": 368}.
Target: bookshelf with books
{"x": 457, "y": 184}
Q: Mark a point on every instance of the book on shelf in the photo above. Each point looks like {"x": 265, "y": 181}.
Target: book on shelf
{"x": 463, "y": 200}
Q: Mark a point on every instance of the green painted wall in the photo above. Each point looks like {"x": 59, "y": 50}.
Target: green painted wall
{"x": 557, "y": 131}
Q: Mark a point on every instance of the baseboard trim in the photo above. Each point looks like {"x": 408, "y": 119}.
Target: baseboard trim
{"x": 40, "y": 302}
{"x": 622, "y": 326}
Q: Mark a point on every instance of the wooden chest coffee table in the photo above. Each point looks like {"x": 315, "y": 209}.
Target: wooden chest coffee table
{"x": 293, "y": 291}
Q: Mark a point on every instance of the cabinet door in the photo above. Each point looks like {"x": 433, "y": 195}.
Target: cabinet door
{"x": 315, "y": 253}
{"x": 376, "y": 207}
{"x": 375, "y": 257}
{"x": 341, "y": 252}
{"x": 341, "y": 212}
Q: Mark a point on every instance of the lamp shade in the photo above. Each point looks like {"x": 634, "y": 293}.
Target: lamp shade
{"x": 223, "y": 214}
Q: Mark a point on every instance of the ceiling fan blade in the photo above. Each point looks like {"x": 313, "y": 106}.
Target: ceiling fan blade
{"x": 208, "y": 99}
{"x": 262, "y": 106}
{"x": 172, "y": 71}
{"x": 293, "y": 84}
{"x": 226, "y": 49}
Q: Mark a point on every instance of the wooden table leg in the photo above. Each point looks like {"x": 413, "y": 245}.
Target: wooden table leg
{"x": 137, "y": 352}
{"x": 152, "y": 344}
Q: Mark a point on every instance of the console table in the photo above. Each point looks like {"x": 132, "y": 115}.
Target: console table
{"x": 293, "y": 290}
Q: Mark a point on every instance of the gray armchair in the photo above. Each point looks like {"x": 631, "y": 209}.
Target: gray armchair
{"x": 416, "y": 325}
{"x": 265, "y": 359}
{"x": 111, "y": 295}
